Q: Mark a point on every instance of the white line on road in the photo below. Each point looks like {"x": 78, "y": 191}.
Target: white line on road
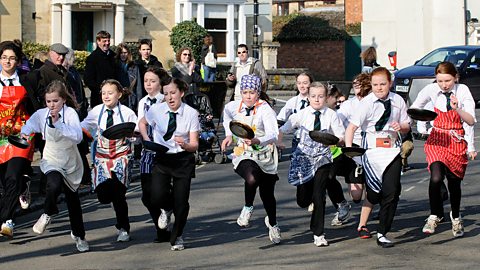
{"x": 408, "y": 189}
{"x": 423, "y": 180}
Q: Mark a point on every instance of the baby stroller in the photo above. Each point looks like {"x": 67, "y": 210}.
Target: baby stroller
{"x": 208, "y": 139}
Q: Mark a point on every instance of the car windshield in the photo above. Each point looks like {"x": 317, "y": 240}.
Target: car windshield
{"x": 454, "y": 56}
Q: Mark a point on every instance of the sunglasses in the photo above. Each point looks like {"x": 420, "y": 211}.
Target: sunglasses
{"x": 186, "y": 54}
{"x": 241, "y": 52}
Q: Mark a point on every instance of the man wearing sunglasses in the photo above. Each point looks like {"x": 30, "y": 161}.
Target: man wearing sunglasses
{"x": 243, "y": 65}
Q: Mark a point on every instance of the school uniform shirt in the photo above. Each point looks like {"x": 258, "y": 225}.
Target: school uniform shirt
{"x": 60, "y": 153}
{"x": 370, "y": 110}
{"x": 262, "y": 121}
{"x": 345, "y": 114}
{"x": 434, "y": 94}
{"x": 91, "y": 121}
{"x": 14, "y": 77}
{"x": 144, "y": 106}
{"x": 186, "y": 120}
{"x": 292, "y": 106}
{"x": 310, "y": 155}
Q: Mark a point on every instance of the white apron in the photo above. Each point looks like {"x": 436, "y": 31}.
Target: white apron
{"x": 61, "y": 154}
{"x": 265, "y": 156}
{"x": 382, "y": 148}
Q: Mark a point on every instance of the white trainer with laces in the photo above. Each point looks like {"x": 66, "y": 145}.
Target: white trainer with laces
{"x": 7, "y": 228}
{"x": 178, "y": 244}
{"x": 42, "y": 223}
{"x": 457, "y": 226}
{"x": 82, "y": 245}
{"x": 123, "y": 236}
{"x": 273, "y": 232}
{"x": 164, "y": 219}
{"x": 320, "y": 241}
{"x": 310, "y": 207}
{"x": 432, "y": 223}
{"x": 343, "y": 211}
{"x": 25, "y": 198}
{"x": 244, "y": 219}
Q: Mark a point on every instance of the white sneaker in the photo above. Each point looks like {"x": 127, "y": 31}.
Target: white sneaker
{"x": 123, "y": 236}
{"x": 310, "y": 207}
{"x": 457, "y": 226}
{"x": 164, "y": 219}
{"x": 343, "y": 211}
{"x": 336, "y": 221}
{"x": 320, "y": 241}
{"x": 82, "y": 245}
{"x": 244, "y": 219}
{"x": 273, "y": 232}
{"x": 7, "y": 228}
{"x": 432, "y": 223}
{"x": 178, "y": 244}
{"x": 41, "y": 223}
{"x": 25, "y": 198}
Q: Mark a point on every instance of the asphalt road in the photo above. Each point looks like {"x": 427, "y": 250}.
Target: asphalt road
{"x": 214, "y": 240}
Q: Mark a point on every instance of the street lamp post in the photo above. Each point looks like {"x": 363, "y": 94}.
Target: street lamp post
{"x": 255, "y": 30}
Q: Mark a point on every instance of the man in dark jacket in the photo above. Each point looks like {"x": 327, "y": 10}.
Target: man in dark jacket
{"x": 100, "y": 66}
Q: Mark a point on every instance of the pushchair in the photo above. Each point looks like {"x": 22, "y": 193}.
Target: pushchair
{"x": 208, "y": 139}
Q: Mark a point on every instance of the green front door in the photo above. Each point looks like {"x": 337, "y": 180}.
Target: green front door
{"x": 353, "y": 63}
{"x": 82, "y": 31}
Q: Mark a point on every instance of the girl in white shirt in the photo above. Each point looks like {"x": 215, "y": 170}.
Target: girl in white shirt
{"x": 176, "y": 127}
{"x": 381, "y": 116}
{"x": 111, "y": 170}
{"x": 60, "y": 127}
{"x": 311, "y": 162}
{"x": 256, "y": 159}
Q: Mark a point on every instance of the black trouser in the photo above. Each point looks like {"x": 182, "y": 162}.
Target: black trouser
{"x": 170, "y": 187}
{"x": 388, "y": 196}
{"x": 314, "y": 190}
{"x": 113, "y": 191}
{"x": 438, "y": 172}
{"x": 55, "y": 186}
{"x": 255, "y": 177}
{"x": 147, "y": 196}
{"x": 11, "y": 177}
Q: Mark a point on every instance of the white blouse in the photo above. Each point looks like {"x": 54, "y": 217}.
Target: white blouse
{"x": 145, "y": 102}
{"x": 370, "y": 110}
{"x": 292, "y": 106}
{"x": 68, "y": 124}
{"x": 91, "y": 121}
{"x": 186, "y": 121}
{"x": 265, "y": 120}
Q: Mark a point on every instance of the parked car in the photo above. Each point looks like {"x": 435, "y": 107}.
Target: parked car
{"x": 410, "y": 80}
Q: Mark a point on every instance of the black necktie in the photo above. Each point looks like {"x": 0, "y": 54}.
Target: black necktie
{"x": 317, "y": 125}
{"x": 447, "y": 95}
{"x": 109, "y": 118}
{"x": 152, "y": 100}
{"x": 172, "y": 125}
{"x": 248, "y": 110}
{"x": 10, "y": 82}
{"x": 304, "y": 104}
{"x": 385, "y": 116}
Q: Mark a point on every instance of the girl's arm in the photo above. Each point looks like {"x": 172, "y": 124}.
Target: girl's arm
{"x": 71, "y": 129}
{"x": 33, "y": 124}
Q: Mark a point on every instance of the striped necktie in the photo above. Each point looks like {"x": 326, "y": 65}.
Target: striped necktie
{"x": 305, "y": 103}
{"x": 317, "y": 125}
{"x": 172, "y": 125}
{"x": 248, "y": 110}
{"x": 447, "y": 95}
{"x": 109, "y": 118}
{"x": 10, "y": 82}
{"x": 385, "y": 116}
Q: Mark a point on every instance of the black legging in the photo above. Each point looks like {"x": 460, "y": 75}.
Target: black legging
{"x": 438, "y": 172}
{"x": 255, "y": 177}
{"x": 11, "y": 178}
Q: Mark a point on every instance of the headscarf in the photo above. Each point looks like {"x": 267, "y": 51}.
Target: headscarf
{"x": 251, "y": 81}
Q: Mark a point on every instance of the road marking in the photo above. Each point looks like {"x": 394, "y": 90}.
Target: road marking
{"x": 408, "y": 189}
{"x": 423, "y": 180}
{"x": 280, "y": 100}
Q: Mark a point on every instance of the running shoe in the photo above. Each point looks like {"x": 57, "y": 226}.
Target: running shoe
{"x": 178, "y": 244}
{"x": 457, "y": 226}
{"x": 164, "y": 219}
{"x": 364, "y": 233}
{"x": 273, "y": 232}
{"x": 343, "y": 211}
{"x": 82, "y": 245}
{"x": 244, "y": 219}
{"x": 123, "y": 236}
{"x": 7, "y": 228}
{"x": 41, "y": 224}
{"x": 432, "y": 223}
{"x": 320, "y": 241}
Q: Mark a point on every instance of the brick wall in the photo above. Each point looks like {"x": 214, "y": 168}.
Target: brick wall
{"x": 324, "y": 59}
{"x": 353, "y": 11}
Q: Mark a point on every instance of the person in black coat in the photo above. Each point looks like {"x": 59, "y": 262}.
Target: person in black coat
{"x": 100, "y": 66}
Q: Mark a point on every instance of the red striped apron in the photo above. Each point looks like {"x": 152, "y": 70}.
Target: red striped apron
{"x": 442, "y": 146}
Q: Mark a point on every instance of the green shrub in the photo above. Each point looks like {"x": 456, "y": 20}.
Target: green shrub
{"x": 354, "y": 29}
{"x": 188, "y": 34}
{"x": 31, "y": 48}
{"x": 80, "y": 60}
{"x": 308, "y": 28}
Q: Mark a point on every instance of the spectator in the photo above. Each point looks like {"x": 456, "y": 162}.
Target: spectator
{"x": 209, "y": 59}
{"x": 39, "y": 59}
{"x": 185, "y": 69}
{"x": 244, "y": 65}
{"x": 100, "y": 66}
{"x": 52, "y": 70}
{"x": 369, "y": 58}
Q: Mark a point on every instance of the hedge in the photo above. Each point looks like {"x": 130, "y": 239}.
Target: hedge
{"x": 188, "y": 34}
{"x": 31, "y": 48}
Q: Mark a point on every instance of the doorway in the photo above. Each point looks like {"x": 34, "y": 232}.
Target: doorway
{"x": 82, "y": 31}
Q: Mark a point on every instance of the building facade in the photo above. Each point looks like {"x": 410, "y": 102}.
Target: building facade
{"x": 75, "y": 22}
